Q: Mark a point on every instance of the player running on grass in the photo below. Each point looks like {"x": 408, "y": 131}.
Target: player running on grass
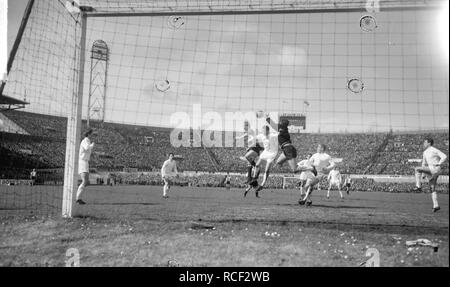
{"x": 432, "y": 161}
{"x": 168, "y": 172}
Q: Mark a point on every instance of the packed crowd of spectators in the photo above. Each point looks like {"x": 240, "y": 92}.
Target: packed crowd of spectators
{"x": 120, "y": 146}
{"x": 23, "y": 151}
{"x": 403, "y": 152}
{"x": 38, "y": 124}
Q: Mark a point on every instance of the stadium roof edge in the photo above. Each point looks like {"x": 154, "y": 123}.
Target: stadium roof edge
{"x": 8, "y": 103}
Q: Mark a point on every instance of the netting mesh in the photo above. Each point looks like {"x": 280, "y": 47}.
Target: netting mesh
{"x": 278, "y": 63}
{"x": 307, "y": 62}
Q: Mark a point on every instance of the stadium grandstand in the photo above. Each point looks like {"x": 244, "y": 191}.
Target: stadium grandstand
{"x": 39, "y": 142}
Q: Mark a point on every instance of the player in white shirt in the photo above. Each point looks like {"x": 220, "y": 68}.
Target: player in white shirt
{"x": 269, "y": 141}
{"x": 323, "y": 164}
{"x": 168, "y": 172}
{"x": 431, "y": 168}
{"x": 86, "y": 148}
{"x": 305, "y": 175}
{"x": 335, "y": 179}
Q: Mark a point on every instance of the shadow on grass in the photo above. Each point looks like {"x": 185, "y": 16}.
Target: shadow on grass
{"x": 341, "y": 206}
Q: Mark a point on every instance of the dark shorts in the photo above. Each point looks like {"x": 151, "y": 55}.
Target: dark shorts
{"x": 302, "y": 183}
{"x": 347, "y": 184}
{"x": 33, "y": 178}
{"x": 256, "y": 149}
{"x": 254, "y": 183}
{"x": 314, "y": 171}
{"x": 289, "y": 152}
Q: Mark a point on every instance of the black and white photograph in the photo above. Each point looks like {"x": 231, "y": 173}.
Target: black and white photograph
{"x": 224, "y": 133}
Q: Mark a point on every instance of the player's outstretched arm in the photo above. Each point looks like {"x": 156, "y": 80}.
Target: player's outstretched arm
{"x": 331, "y": 166}
{"x": 272, "y": 124}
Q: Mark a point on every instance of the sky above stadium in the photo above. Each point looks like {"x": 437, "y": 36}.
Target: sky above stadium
{"x": 293, "y": 63}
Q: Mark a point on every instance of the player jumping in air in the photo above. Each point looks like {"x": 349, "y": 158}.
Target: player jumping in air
{"x": 335, "y": 179}
{"x": 289, "y": 153}
{"x": 323, "y": 164}
{"x": 168, "y": 172}
{"x": 86, "y": 148}
{"x": 432, "y": 161}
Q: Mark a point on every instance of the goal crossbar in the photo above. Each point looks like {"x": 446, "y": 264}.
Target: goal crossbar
{"x": 235, "y": 7}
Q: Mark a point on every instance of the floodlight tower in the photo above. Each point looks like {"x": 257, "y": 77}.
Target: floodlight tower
{"x": 98, "y": 80}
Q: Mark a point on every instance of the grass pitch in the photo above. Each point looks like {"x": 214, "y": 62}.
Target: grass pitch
{"x": 135, "y": 226}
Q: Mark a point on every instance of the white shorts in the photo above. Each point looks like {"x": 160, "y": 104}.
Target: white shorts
{"x": 168, "y": 179}
{"x": 335, "y": 182}
{"x": 83, "y": 166}
{"x": 435, "y": 172}
{"x": 268, "y": 156}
